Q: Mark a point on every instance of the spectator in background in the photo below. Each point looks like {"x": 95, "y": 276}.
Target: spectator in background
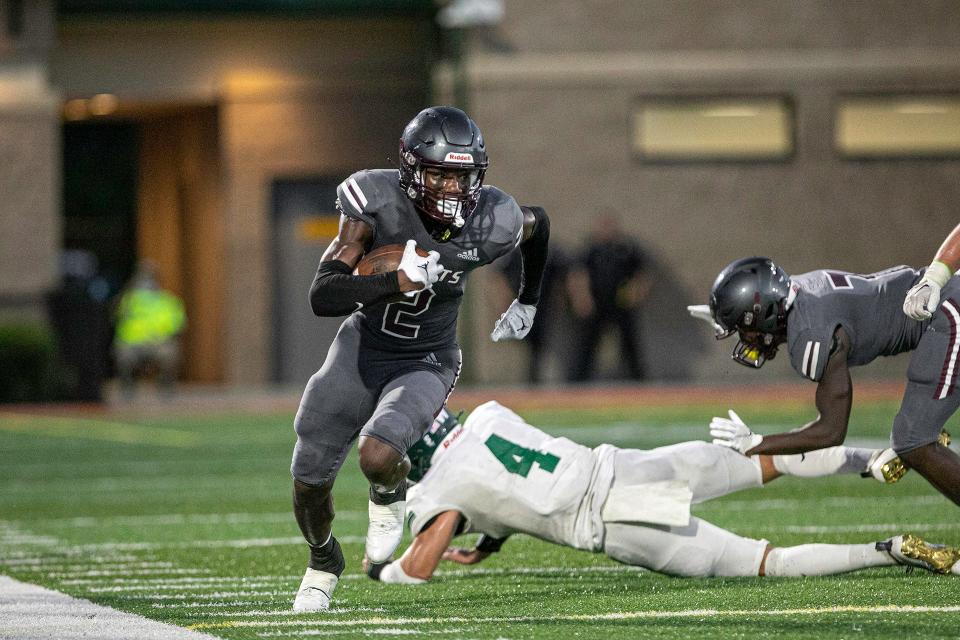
{"x": 80, "y": 318}
{"x": 607, "y": 287}
{"x": 510, "y": 268}
{"x": 149, "y": 322}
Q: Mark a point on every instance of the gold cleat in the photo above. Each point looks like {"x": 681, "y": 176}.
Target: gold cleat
{"x": 913, "y": 551}
{"x": 944, "y": 438}
{"x": 887, "y": 467}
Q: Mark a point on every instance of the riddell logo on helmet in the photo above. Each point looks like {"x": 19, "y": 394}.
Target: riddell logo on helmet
{"x": 458, "y": 157}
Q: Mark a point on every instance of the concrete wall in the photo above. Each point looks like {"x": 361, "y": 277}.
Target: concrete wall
{"x": 747, "y": 25}
{"x": 293, "y": 98}
{"x": 557, "y": 111}
{"x": 29, "y": 163}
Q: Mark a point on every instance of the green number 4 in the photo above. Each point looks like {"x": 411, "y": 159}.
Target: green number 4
{"x": 520, "y": 460}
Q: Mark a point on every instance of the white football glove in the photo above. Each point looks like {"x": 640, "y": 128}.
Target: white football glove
{"x": 423, "y": 269}
{"x": 702, "y": 312}
{"x": 733, "y": 433}
{"x": 515, "y": 322}
{"x": 924, "y": 297}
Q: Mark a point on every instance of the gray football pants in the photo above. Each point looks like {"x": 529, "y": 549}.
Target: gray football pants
{"x": 699, "y": 548}
{"x": 932, "y": 394}
{"x": 392, "y": 397}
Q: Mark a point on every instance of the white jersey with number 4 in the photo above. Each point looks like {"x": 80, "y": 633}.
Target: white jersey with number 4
{"x": 506, "y": 476}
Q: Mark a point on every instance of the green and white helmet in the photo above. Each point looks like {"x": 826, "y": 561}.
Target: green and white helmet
{"x": 421, "y": 453}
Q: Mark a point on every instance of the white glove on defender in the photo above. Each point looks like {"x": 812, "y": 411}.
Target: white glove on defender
{"x": 733, "y": 433}
{"x": 423, "y": 269}
{"x": 515, "y": 322}
{"x": 702, "y": 312}
{"x": 922, "y": 300}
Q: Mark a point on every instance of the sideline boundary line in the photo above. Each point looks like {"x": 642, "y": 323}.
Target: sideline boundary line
{"x": 615, "y": 615}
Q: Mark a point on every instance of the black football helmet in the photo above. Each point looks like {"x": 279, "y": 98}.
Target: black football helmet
{"x": 749, "y": 297}
{"x": 443, "y": 138}
{"x": 421, "y": 453}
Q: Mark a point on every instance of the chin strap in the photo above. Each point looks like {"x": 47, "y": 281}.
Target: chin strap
{"x": 794, "y": 290}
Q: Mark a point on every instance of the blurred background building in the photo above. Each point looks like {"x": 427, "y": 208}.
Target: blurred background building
{"x": 208, "y": 137}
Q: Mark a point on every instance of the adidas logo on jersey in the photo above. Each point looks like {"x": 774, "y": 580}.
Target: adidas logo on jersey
{"x": 469, "y": 254}
{"x": 432, "y": 360}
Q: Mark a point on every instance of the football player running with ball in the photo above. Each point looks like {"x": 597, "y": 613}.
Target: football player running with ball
{"x": 833, "y": 320}
{"x": 395, "y": 358}
{"x": 497, "y": 475}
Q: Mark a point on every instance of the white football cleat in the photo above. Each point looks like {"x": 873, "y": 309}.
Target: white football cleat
{"x": 913, "y": 551}
{"x": 315, "y": 591}
{"x": 886, "y": 466}
{"x": 385, "y": 529}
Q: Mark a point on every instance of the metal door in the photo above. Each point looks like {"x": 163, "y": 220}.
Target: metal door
{"x": 304, "y": 222}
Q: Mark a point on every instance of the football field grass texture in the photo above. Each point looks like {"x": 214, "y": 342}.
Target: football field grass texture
{"x": 187, "y": 520}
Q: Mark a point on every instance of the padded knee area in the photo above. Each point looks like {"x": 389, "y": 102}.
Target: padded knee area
{"x": 698, "y": 550}
{"x": 321, "y": 446}
{"x": 405, "y": 410}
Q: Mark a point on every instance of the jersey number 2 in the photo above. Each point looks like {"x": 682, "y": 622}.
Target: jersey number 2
{"x": 520, "y": 460}
{"x": 395, "y": 311}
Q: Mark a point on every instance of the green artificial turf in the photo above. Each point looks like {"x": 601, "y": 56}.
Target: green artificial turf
{"x": 187, "y": 520}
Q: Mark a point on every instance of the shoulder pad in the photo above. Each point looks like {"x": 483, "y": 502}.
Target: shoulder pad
{"x": 508, "y": 221}
{"x": 360, "y": 196}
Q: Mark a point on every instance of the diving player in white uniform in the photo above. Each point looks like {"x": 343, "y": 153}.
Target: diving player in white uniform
{"x": 498, "y": 475}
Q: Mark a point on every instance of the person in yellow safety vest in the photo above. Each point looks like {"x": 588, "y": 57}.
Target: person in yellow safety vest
{"x": 149, "y": 321}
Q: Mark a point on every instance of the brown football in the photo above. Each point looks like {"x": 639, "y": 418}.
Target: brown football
{"x": 382, "y": 260}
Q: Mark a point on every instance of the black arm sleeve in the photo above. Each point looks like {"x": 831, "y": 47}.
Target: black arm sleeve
{"x": 534, "y": 252}
{"x": 488, "y": 544}
{"x": 336, "y": 291}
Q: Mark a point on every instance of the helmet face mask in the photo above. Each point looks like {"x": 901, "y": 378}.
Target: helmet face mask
{"x": 753, "y": 350}
{"x": 421, "y": 453}
{"x": 443, "y": 160}
{"x": 749, "y": 298}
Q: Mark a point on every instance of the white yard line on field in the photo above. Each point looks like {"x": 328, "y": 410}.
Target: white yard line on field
{"x": 175, "y": 519}
{"x": 144, "y": 570}
{"x": 204, "y": 544}
{"x": 379, "y": 631}
{"x": 616, "y": 615}
{"x": 116, "y": 584}
{"x": 822, "y": 502}
{"x": 29, "y": 612}
{"x": 888, "y": 527}
{"x": 215, "y": 595}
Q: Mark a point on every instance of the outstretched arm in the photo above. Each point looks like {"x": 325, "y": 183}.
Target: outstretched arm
{"x": 949, "y": 252}
{"x": 834, "y": 398}
{"x": 924, "y": 297}
{"x": 335, "y": 290}
{"x": 421, "y": 558}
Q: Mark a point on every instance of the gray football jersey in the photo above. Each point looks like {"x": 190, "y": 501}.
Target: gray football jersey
{"x": 427, "y": 321}
{"x": 868, "y": 307}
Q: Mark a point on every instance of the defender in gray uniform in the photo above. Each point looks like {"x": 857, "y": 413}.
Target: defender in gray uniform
{"x": 395, "y": 359}
{"x": 831, "y": 321}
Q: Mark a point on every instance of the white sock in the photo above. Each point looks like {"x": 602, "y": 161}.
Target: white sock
{"x": 393, "y": 573}
{"x": 824, "y": 462}
{"x": 824, "y": 559}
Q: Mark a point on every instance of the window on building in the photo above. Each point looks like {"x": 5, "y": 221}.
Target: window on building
{"x": 898, "y": 126}
{"x": 729, "y": 128}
